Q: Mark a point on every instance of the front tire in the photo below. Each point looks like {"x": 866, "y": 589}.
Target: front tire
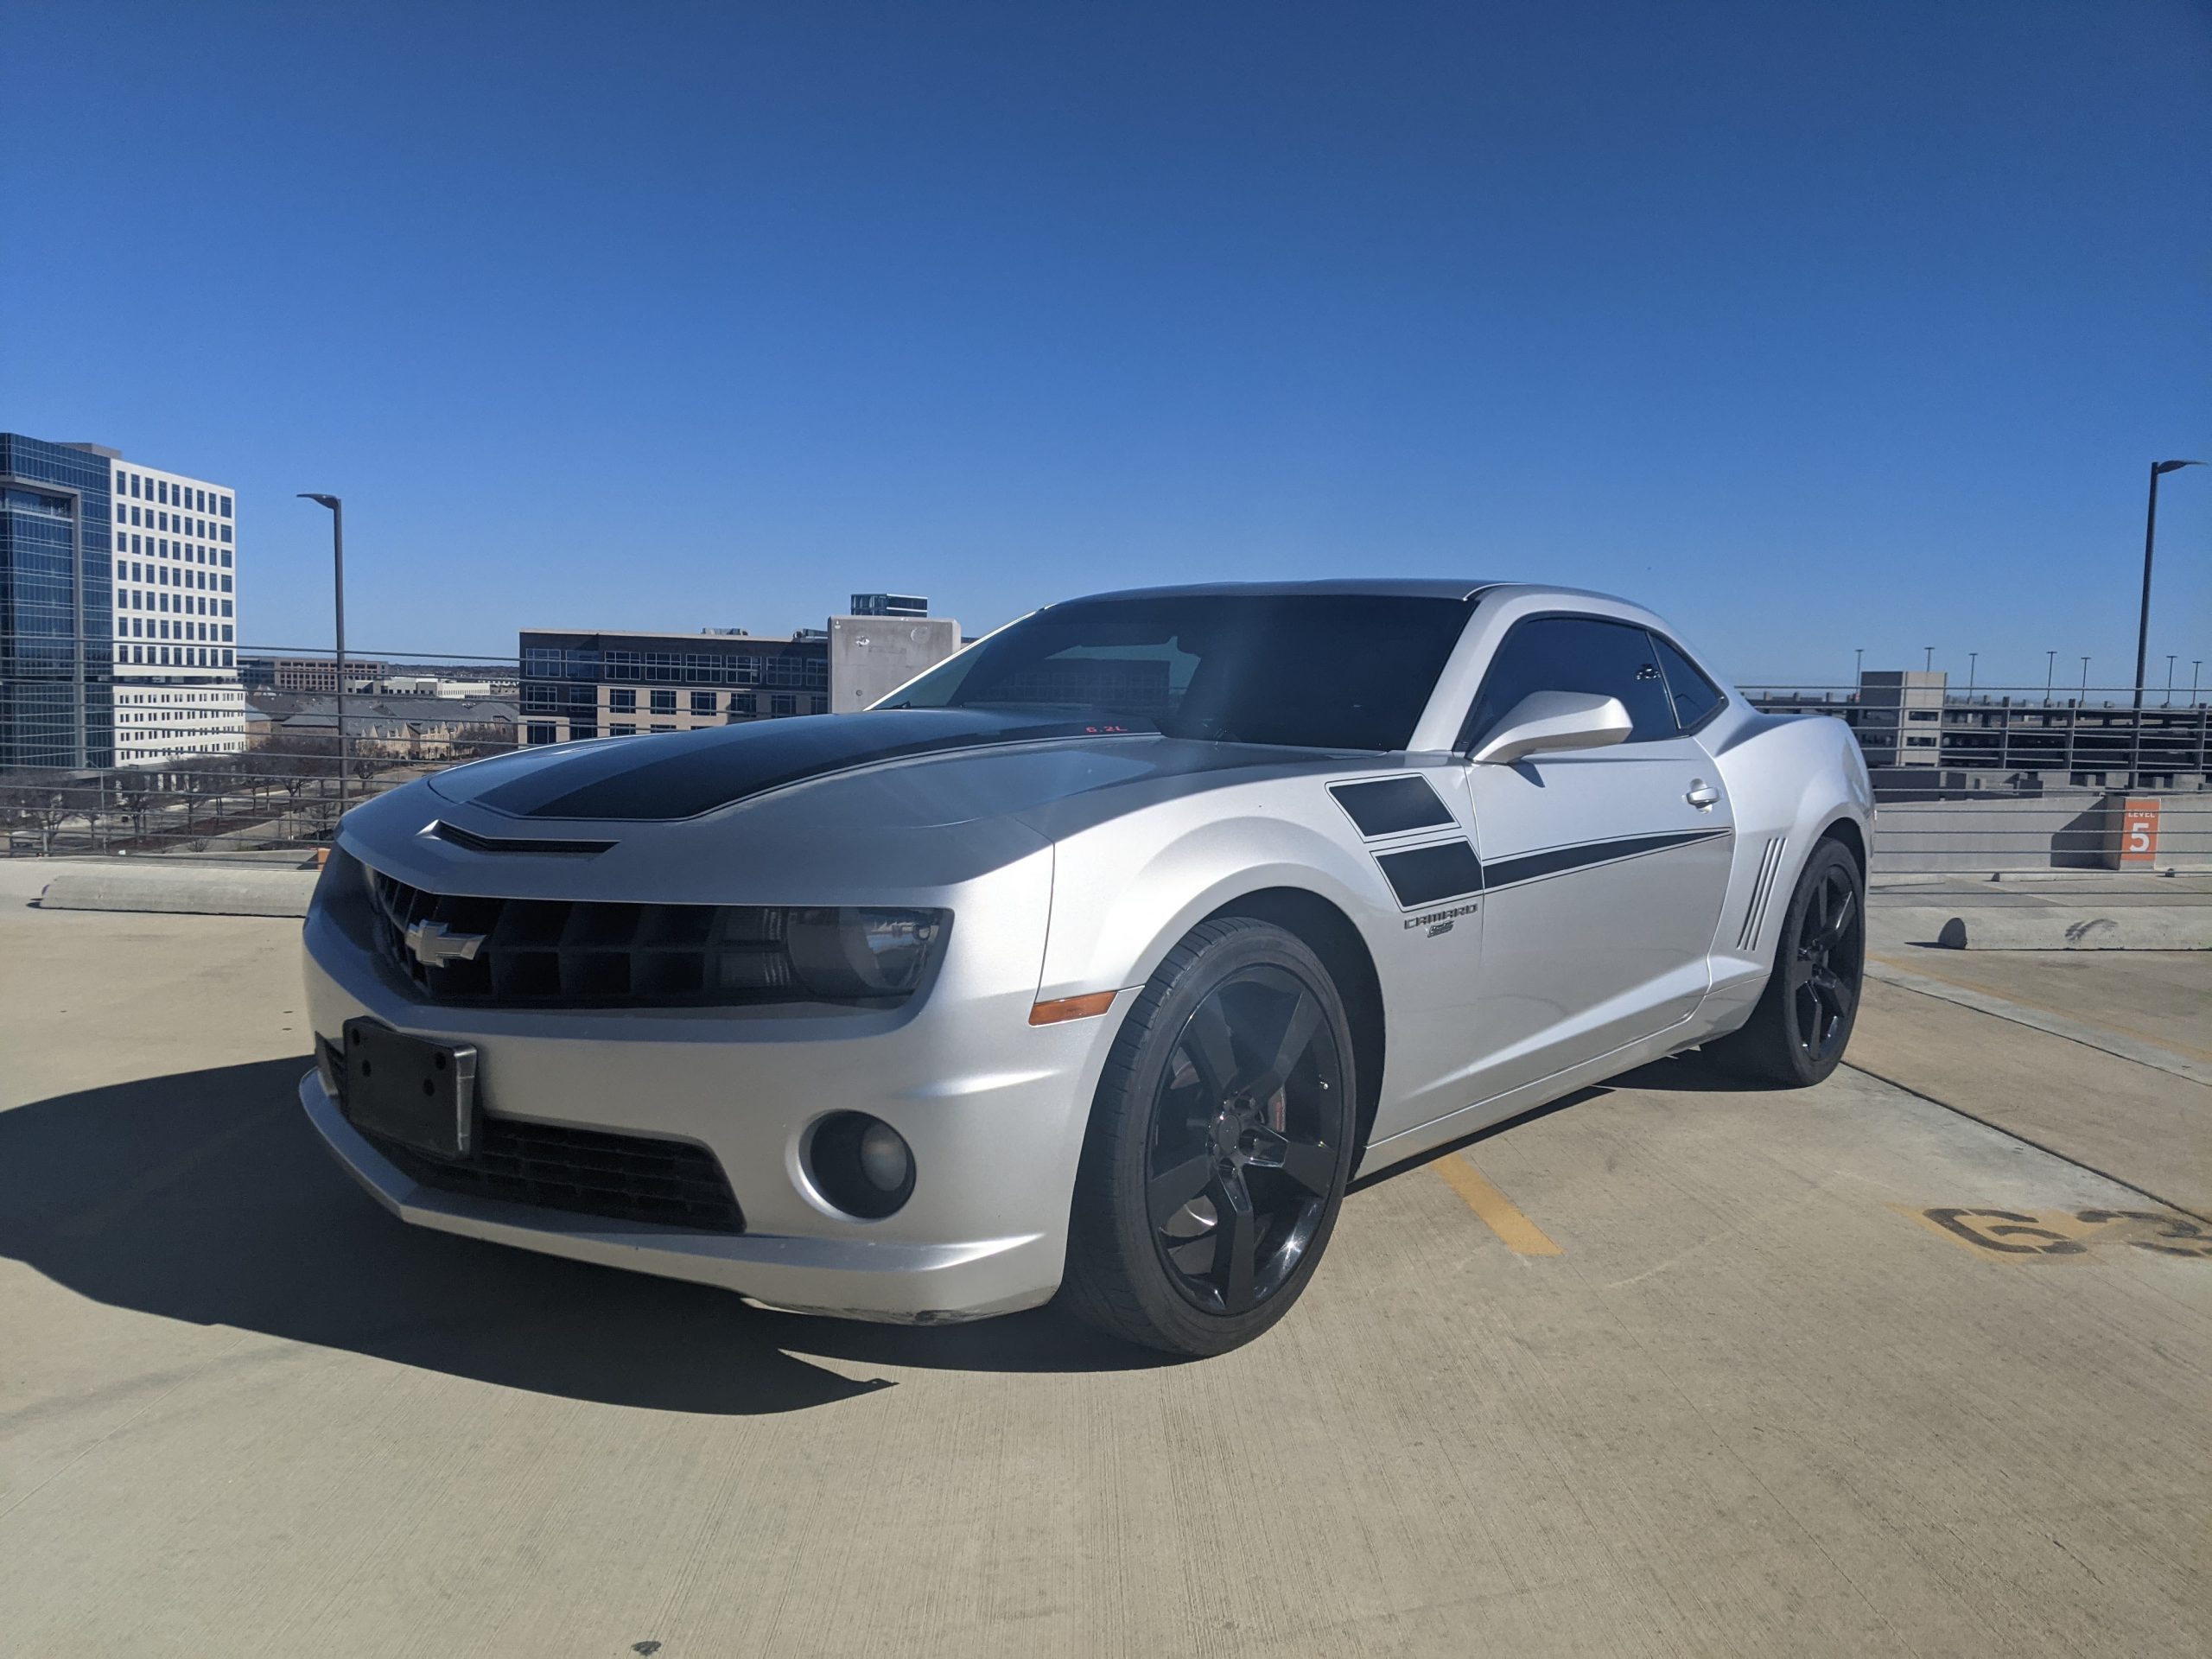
{"x": 1219, "y": 1147}
{"x": 1797, "y": 1035}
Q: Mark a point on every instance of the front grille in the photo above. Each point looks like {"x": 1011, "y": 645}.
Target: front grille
{"x": 588, "y": 1171}
{"x": 556, "y": 953}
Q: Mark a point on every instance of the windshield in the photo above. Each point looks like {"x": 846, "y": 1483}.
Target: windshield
{"x": 1317, "y": 670}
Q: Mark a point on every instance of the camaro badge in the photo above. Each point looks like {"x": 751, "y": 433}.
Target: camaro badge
{"x": 434, "y": 945}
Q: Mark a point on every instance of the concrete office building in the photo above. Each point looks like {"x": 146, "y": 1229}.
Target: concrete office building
{"x": 118, "y": 610}
{"x": 1900, "y": 716}
{"x": 311, "y": 674}
{"x": 177, "y": 691}
{"x": 596, "y": 684}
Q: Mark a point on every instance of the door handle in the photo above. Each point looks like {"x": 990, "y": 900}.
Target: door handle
{"x": 1702, "y": 795}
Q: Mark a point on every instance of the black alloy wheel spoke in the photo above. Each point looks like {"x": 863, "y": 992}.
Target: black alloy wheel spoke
{"x": 1235, "y": 1242}
{"x": 1313, "y": 1167}
{"x": 1839, "y": 924}
{"x": 1213, "y": 1051}
{"x": 1168, "y": 1191}
{"x": 1299, "y": 1026}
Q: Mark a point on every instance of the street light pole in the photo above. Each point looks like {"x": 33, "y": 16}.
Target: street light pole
{"x": 1971, "y": 655}
{"x": 1930, "y": 663}
{"x": 2149, "y": 541}
{"x": 338, "y": 579}
{"x": 2049, "y": 668}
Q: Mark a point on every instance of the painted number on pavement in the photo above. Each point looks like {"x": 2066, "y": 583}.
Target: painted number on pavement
{"x": 2058, "y": 1234}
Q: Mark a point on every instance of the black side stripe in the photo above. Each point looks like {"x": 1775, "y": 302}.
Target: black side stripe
{"x": 1390, "y": 806}
{"x": 1559, "y": 861}
{"x": 1426, "y": 875}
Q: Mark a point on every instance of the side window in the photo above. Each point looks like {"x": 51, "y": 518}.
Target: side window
{"x": 1695, "y": 697}
{"x": 1575, "y": 653}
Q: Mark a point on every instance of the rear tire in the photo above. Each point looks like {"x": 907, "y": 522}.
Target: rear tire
{"x": 1219, "y": 1147}
{"x": 1797, "y": 1035}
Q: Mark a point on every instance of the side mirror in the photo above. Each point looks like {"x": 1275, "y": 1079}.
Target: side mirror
{"x": 1548, "y": 723}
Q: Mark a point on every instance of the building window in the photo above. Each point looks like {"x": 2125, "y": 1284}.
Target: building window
{"x": 226, "y": 513}
{"x": 621, "y": 729}
{"x": 663, "y": 703}
{"x": 663, "y": 728}
{"x": 541, "y": 732}
{"x": 741, "y": 702}
{"x": 703, "y": 702}
{"x": 581, "y": 729}
{"x": 621, "y": 701}
{"x": 782, "y": 702}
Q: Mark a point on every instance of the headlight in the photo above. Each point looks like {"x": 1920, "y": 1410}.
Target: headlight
{"x": 342, "y": 892}
{"x": 855, "y": 952}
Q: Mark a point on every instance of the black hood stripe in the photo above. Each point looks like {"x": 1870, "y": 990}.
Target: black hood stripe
{"x": 682, "y": 775}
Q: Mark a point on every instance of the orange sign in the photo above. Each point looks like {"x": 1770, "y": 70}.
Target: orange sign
{"x": 2139, "y": 832}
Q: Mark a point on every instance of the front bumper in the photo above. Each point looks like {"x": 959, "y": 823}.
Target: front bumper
{"x": 912, "y": 1283}
{"x": 994, "y": 1108}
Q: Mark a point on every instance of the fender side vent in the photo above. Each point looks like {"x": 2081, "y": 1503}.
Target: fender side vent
{"x": 1762, "y": 890}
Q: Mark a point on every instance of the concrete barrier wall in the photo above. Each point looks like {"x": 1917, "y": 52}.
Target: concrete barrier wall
{"x": 2049, "y": 832}
{"x": 183, "y": 890}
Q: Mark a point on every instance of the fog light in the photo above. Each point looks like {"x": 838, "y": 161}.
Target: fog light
{"x": 860, "y": 1163}
{"x": 884, "y": 1158}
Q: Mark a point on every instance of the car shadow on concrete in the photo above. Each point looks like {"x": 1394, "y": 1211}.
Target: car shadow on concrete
{"x": 1690, "y": 1072}
{"x": 207, "y": 1196}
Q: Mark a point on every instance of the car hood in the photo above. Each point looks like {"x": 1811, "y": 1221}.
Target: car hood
{"x": 862, "y": 805}
{"x": 938, "y": 766}
{"x": 684, "y": 775}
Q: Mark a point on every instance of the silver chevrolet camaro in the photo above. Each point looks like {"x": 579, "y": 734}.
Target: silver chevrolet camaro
{"x": 1096, "y": 960}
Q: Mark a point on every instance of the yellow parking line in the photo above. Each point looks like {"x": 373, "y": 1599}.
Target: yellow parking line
{"x": 1498, "y": 1213}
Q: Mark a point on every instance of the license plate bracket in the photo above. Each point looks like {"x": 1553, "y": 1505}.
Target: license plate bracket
{"x": 410, "y": 1090}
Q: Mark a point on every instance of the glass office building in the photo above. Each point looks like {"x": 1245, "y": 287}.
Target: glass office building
{"x": 601, "y": 684}
{"x": 57, "y": 607}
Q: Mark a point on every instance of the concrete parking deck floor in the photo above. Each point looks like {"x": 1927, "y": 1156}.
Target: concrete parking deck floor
{"x": 1723, "y": 1371}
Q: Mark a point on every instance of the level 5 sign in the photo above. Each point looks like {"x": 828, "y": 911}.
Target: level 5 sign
{"x": 2139, "y": 832}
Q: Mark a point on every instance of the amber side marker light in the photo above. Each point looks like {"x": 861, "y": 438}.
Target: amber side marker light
{"x": 1072, "y": 1008}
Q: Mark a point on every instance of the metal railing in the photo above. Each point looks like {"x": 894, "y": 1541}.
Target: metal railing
{"x": 2016, "y": 784}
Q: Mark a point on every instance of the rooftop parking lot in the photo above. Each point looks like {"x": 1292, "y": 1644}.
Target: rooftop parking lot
{"x": 1914, "y": 1361}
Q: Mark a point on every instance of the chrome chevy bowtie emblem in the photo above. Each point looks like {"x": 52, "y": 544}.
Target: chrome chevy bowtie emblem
{"x": 434, "y": 945}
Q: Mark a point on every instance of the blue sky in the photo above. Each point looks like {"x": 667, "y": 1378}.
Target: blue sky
{"x": 1816, "y": 326}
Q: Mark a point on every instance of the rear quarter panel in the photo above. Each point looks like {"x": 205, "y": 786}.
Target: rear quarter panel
{"x": 1789, "y": 780}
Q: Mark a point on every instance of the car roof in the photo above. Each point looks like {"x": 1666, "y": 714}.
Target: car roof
{"x": 1407, "y": 587}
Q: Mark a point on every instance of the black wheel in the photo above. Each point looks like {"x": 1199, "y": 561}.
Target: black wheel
{"x": 1219, "y": 1147}
{"x": 1797, "y": 1035}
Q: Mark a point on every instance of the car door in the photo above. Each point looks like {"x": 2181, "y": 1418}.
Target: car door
{"x": 1604, "y": 870}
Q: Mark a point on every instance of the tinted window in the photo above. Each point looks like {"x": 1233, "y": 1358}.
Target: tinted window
{"x": 1694, "y": 696}
{"x": 1575, "y": 653}
{"x": 1320, "y": 670}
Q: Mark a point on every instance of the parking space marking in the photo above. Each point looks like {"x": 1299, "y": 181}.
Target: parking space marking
{"x": 1497, "y": 1213}
{"x": 2065, "y": 1234}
